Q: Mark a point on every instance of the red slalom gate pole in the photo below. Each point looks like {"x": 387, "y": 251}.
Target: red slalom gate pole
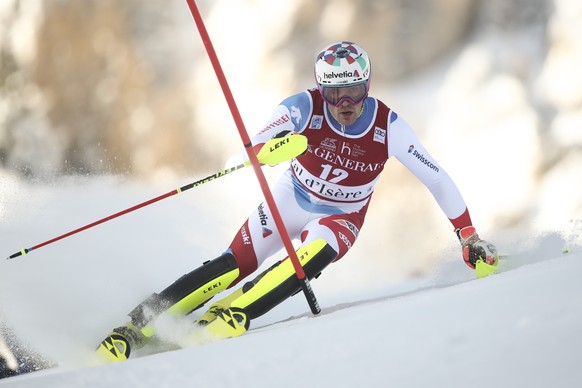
{"x": 305, "y": 286}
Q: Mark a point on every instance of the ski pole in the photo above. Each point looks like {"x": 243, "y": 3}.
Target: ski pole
{"x": 273, "y": 152}
{"x": 303, "y": 280}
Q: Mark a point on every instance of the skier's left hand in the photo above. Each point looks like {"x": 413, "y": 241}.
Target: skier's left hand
{"x": 475, "y": 249}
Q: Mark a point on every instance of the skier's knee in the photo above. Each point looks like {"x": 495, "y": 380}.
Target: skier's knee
{"x": 279, "y": 282}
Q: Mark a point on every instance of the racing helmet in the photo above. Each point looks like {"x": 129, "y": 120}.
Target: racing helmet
{"x": 343, "y": 72}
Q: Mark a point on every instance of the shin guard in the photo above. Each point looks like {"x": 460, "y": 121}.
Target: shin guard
{"x": 187, "y": 293}
{"x": 279, "y": 282}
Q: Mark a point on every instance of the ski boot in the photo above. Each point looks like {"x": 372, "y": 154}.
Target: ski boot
{"x": 182, "y": 297}
{"x": 118, "y": 345}
{"x": 231, "y": 316}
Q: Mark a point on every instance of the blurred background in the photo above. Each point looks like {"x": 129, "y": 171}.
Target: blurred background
{"x": 98, "y": 88}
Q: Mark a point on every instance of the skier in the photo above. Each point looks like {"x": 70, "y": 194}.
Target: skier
{"x": 323, "y": 199}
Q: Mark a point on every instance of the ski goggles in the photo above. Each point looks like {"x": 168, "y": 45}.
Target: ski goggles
{"x": 336, "y": 95}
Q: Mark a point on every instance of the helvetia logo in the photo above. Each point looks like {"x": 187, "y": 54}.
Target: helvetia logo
{"x": 267, "y": 232}
{"x": 345, "y": 74}
{"x": 262, "y": 216}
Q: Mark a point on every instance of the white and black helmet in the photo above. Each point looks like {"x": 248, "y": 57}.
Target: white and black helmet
{"x": 341, "y": 65}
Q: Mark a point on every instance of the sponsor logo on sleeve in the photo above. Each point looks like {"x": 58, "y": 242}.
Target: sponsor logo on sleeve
{"x": 345, "y": 240}
{"x": 275, "y": 123}
{"x": 422, "y": 159}
{"x": 347, "y": 224}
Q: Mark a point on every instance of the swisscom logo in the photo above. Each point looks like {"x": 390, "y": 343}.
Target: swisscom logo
{"x": 422, "y": 159}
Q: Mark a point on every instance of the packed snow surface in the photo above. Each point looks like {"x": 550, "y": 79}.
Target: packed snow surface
{"x": 521, "y": 327}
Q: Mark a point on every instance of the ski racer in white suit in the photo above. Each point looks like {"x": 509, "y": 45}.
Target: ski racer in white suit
{"x": 326, "y": 192}
{"x": 323, "y": 198}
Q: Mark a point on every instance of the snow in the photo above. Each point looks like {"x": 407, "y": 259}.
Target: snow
{"x": 380, "y": 325}
{"x": 521, "y": 327}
